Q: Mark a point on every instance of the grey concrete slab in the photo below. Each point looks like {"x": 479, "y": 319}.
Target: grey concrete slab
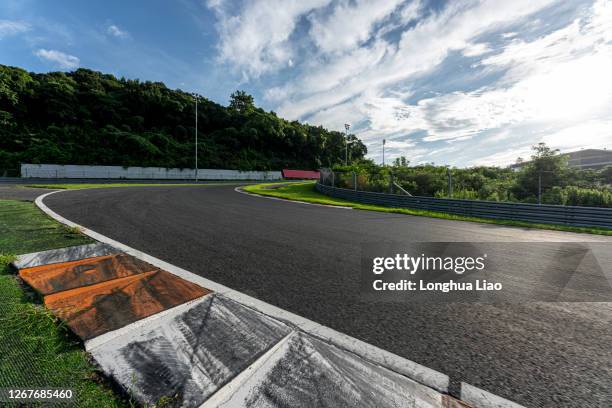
{"x": 63, "y": 255}
{"x": 189, "y": 354}
{"x": 307, "y": 372}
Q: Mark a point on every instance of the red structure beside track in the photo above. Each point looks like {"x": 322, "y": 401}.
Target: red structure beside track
{"x": 300, "y": 174}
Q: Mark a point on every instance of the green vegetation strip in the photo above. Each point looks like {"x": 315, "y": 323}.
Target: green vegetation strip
{"x": 306, "y": 192}
{"x": 35, "y": 349}
{"x": 24, "y": 228}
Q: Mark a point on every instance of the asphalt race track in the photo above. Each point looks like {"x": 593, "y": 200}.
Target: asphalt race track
{"x": 306, "y": 259}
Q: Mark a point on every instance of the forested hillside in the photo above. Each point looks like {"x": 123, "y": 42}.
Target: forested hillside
{"x": 86, "y": 117}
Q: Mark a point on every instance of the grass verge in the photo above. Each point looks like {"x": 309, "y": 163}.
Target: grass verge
{"x": 24, "y": 228}
{"x": 35, "y": 349}
{"x": 306, "y": 192}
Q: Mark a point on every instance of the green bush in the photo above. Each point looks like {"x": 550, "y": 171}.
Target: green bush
{"x": 577, "y": 196}
{"x": 459, "y": 194}
{"x": 587, "y": 197}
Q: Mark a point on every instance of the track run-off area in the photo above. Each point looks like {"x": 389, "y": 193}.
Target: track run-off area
{"x": 307, "y": 259}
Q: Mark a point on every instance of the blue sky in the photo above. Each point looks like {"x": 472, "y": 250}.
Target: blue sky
{"x": 463, "y": 82}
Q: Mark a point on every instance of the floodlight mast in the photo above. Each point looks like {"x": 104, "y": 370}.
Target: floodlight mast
{"x": 346, "y": 129}
{"x": 195, "y": 97}
{"x": 384, "y": 142}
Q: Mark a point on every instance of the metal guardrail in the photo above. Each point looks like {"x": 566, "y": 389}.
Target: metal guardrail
{"x": 542, "y": 214}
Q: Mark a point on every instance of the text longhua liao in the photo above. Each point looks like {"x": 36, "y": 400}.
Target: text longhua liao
{"x": 411, "y": 265}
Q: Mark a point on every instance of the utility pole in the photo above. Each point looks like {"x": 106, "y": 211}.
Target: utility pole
{"x": 195, "y": 96}
{"x": 450, "y": 184}
{"x": 346, "y": 142}
{"x": 384, "y": 141}
{"x": 540, "y": 187}
{"x": 540, "y": 183}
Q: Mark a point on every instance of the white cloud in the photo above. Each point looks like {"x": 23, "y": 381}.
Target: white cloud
{"x": 593, "y": 134}
{"x": 62, "y": 60}
{"x": 420, "y": 49}
{"x": 510, "y": 34}
{"x": 115, "y": 31}
{"x": 561, "y": 78}
{"x": 588, "y": 135}
{"x": 410, "y": 11}
{"x": 9, "y": 28}
{"x": 349, "y": 24}
{"x": 504, "y": 158}
{"x": 256, "y": 39}
{"x": 406, "y": 13}
{"x": 475, "y": 50}
{"x": 348, "y": 69}
{"x": 398, "y": 144}
{"x": 336, "y": 118}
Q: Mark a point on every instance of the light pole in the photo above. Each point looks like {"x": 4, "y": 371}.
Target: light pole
{"x": 540, "y": 188}
{"x": 346, "y": 142}
{"x": 540, "y": 184}
{"x": 384, "y": 142}
{"x": 195, "y": 96}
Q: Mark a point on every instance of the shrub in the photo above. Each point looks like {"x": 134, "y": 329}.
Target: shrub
{"x": 588, "y": 197}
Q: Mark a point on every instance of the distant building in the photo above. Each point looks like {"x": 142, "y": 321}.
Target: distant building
{"x": 594, "y": 159}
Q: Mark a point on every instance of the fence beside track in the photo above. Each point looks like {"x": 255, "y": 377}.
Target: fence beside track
{"x": 57, "y": 171}
{"x": 542, "y": 214}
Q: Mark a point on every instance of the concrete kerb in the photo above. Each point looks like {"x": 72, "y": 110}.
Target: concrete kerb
{"x": 63, "y": 255}
{"x": 478, "y": 397}
{"x": 421, "y": 374}
{"x": 304, "y": 359}
{"x": 197, "y": 350}
{"x": 229, "y": 389}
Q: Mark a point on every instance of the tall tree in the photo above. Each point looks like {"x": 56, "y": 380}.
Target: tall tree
{"x": 547, "y": 167}
{"x": 241, "y": 102}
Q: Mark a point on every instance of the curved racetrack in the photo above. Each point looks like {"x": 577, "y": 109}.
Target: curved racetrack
{"x": 306, "y": 259}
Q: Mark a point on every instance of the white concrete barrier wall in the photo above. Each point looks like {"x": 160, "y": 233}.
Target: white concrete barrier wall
{"x": 157, "y": 173}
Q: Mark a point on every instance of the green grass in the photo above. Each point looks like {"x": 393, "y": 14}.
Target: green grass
{"x": 24, "y": 228}
{"x": 35, "y": 349}
{"x": 306, "y": 192}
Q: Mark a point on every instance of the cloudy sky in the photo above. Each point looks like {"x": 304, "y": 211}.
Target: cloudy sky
{"x": 451, "y": 82}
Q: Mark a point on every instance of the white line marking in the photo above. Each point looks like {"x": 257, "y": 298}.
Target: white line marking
{"x": 408, "y": 368}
